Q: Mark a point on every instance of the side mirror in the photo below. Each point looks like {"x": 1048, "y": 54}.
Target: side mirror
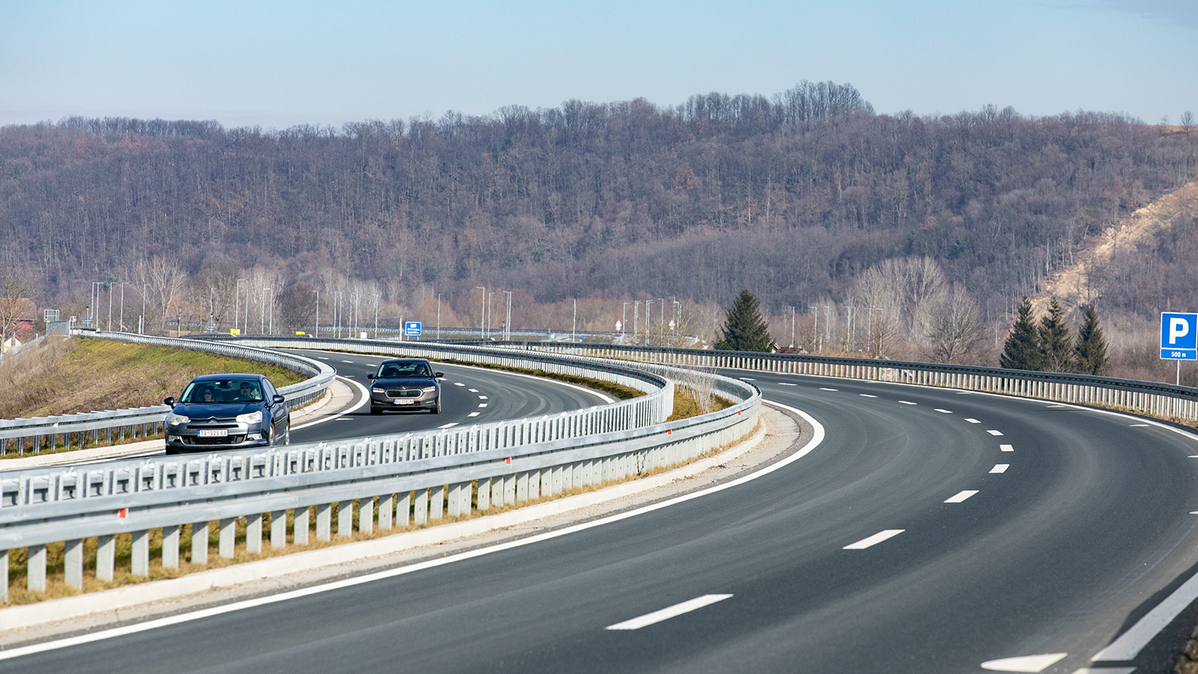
{"x": 439, "y": 375}
{"x": 169, "y": 401}
{"x": 278, "y": 399}
{"x": 370, "y": 376}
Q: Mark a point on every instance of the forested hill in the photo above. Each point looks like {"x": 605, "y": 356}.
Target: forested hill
{"x": 789, "y": 196}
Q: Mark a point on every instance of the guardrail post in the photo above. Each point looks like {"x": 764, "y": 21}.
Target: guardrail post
{"x": 403, "y": 508}
{"x": 386, "y": 511}
{"x": 35, "y": 578}
{"x": 170, "y": 547}
{"x": 300, "y": 534}
{"x": 72, "y": 557}
{"x": 366, "y": 515}
{"x": 484, "y": 493}
{"x": 141, "y": 553}
{"x": 455, "y": 495}
{"x": 253, "y": 533}
{"x": 199, "y": 543}
{"x": 278, "y": 528}
{"x": 420, "y": 509}
{"x": 105, "y": 557}
{"x": 324, "y": 522}
{"x": 3, "y": 576}
{"x": 345, "y": 519}
{"x": 522, "y": 486}
{"x": 436, "y": 501}
{"x": 228, "y": 531}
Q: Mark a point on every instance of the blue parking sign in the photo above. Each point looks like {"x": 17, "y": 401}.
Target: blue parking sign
{"x": 413, "y": 329}
{"x": 1179, "y": 336}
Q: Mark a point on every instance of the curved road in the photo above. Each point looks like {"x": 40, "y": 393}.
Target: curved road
{"x": 930, "y": 531}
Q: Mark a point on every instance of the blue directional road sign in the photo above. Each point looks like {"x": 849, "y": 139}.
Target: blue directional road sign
{"x": 413, "y": 329}
{"x": 1179, "y": 336}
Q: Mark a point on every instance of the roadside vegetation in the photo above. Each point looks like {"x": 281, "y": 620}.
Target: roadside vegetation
{"x": 70, "y": 376}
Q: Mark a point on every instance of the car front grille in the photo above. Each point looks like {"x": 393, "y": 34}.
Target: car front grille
{"x": 227, "y": 440}
{"x": 403, "y": 393}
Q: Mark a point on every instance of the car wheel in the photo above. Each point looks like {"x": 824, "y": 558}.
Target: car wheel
{"x": 437, "y": 407}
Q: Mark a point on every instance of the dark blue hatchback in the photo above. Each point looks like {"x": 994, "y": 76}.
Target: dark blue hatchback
{"x": 226, "y": 411}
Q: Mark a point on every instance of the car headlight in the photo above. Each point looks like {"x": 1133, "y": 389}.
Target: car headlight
{"x": 173, "y": 419}
{"x": 251, "y": 418}
{"x": 378, "y": 390}
{"x": 429, "y": 389}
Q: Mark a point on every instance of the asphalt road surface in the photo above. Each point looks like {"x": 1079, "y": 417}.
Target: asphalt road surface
{"x": 930, "y": 531}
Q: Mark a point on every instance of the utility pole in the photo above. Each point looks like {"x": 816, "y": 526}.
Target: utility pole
{"x": 237, "y": 303}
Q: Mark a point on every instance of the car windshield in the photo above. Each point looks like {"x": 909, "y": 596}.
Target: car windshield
{"x": 222, "y": 391}
{"x": 400, "y": 370}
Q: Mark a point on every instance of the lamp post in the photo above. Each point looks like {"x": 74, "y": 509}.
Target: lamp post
{"x": 109, "y": 306}
{"x": 316, "y": 332}
{"x": 122, "y": 321}
{"x": 792, "y": 327}
{"x": 237, "y": 303}
{"x": 814, "y": 326}
{"x": 438, "y": 317}
{"x": 574, "y": 326}
{"x": 483, "y": 317}
{"x": 636, "y": 319}
{"x": 623, "y": 318}
{"x": 507, "y": 322}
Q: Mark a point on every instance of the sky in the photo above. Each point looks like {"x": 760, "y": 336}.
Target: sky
{"x": 276, "y": 64}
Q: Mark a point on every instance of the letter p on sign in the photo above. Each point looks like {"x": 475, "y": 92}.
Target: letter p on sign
{"x": 1178, "y": 327}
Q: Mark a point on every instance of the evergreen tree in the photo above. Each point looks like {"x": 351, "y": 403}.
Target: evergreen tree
{"x": 1056, "y": 344}
{"x": 1090, "y": 352}
{"x": 1021, "y": 351}
{"x": 744, "y": 328}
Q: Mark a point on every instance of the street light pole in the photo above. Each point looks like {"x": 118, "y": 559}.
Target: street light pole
{"x": 438, "y": 317}
{"x": 792, "y": 327}
{"x": 623, "y": 318}
{"x": 317, "y": 334}
{"x": 122, "y": 321}
{"x": 574, "y": 326}
{"x": 507, "y": 321}
{"x": 237, "y": 303}
{"x": 814, "y": 326}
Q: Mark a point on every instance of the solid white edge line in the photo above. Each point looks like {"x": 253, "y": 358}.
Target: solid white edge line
{"x": 365, "y": 401}
{"x": 101, "y": 635}
{"x": 961, "y": 496}
{"x": 669, "y": 612}
{"x": 874, "y": 540}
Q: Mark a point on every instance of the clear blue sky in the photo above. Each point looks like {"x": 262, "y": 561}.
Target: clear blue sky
{"x": 278, "y": 64}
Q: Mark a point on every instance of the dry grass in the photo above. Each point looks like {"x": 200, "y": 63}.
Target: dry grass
{"x": 85, "y": 375}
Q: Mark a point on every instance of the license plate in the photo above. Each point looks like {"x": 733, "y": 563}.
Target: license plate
{"x": 214, "y": 433}
{"x": 401, "y": 401}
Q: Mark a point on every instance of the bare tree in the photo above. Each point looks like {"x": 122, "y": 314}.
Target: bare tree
{"x": 1187, "y": 121}
{"x": 15, "y": 289}
{"x": 951, "y": 326}
{"x": 167, "y": 280}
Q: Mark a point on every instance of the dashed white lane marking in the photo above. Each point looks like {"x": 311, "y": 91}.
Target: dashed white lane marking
{"x": 669, "y": 612}
{"x": 482, "y": 404}
{"x": 1025, "y": 663}
{"x": 1138, "y": 426}
{"x": 448, "y": 425}
{"x": 472, "y": 414}
{"x": 472, "y": 390}
{"x": 458, "y": 383}
{"x": 972, "y": 421}
{"x": 482, "y": 397}
{"x": 746, "y": 379}
{"x": 343, "y": 419}
{"x": 994, "y": 432}
{"x": 785, "y": 383}
{"x": 348, "y": 361}
{"x": 867, "y": 395}
{"x": 943, "y": 411}
{"x": 1000, "y": 468}
{"x": 907, "y": 402}
{"x": 874, "y": 540}
{"x": 322, "y": 357}
{"x": 961, "y": 496}
{"x": 1006, "y": 448}
{"x": 828, "y": 389}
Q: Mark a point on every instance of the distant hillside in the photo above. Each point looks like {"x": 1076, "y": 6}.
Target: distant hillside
{"x": 791, "y": 196}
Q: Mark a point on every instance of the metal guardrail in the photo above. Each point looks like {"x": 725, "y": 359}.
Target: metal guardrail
{"x": 413, "y": 477}
{"x": 1155, "y": 399}
{"x": 117, "y": 425}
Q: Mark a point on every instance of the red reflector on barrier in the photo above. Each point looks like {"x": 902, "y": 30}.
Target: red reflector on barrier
{"x": 123, "y": 512}
{"x": 670, "y": 432}
{"x": 508, "y": 460}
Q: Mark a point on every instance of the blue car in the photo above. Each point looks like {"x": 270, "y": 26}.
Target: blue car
{"x": 227, "y": 411}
